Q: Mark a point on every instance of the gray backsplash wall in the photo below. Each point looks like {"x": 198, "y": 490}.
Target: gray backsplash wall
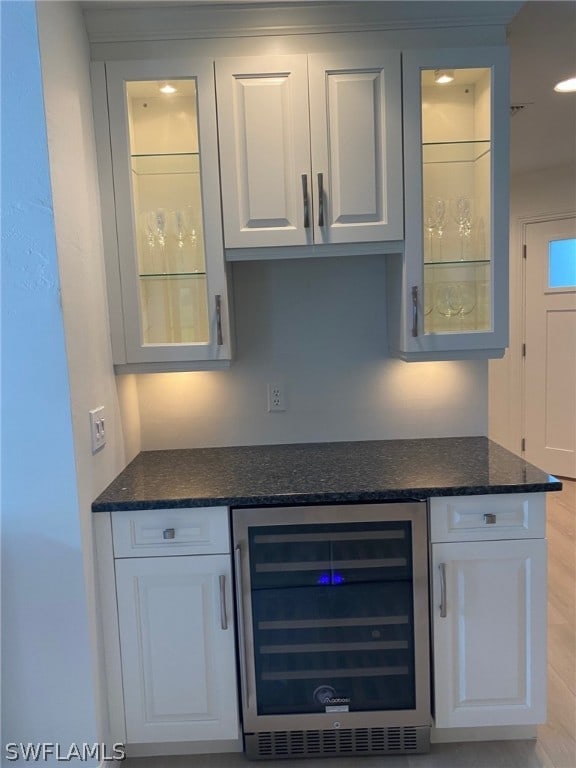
{"x": 318, "y": 327}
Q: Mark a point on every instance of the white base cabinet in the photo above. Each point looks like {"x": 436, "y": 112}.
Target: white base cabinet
{"x": 168, "y": 628}
{"x": 489, "y": 617}
{"x": 177, "y": 644}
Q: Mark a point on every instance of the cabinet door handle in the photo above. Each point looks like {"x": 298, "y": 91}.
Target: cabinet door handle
{"x": 219, "y": 337}
{"x": 414, "y": 310}
{"x": 241, "y": 625}
{"x": 223, "y": 616}
{"x": 305, "y": 200}
{"x": 168, "y": 533}
{"x": 490, "y": 518}
{"x": 320, "y": 199}
{"x": 442, "y": 568}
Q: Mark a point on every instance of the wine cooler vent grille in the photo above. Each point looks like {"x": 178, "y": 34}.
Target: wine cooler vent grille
{"x": 346, "y": 741}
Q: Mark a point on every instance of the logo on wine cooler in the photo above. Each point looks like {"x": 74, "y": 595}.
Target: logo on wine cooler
{"x": 327, "y": 696}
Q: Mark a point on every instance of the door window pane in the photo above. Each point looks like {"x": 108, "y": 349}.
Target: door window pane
{"x": 562, "y": 263}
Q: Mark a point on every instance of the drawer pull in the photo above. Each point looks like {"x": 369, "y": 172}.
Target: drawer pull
{"x": 490, "y": 518}
{"x": 168, "y": 534}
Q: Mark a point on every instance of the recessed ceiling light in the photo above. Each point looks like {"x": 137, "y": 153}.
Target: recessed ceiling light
{"x": 167, "y": 88}
{"x": 566, "y": 86}
{"x": 443, "y": 76}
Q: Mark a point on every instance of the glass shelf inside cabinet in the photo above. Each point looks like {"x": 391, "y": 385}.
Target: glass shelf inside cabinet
{"x": 160, "y": 275}
{"x": 454, "y": 151}
{"x": 178, "y": 162}
{"x": 457, "y": 296}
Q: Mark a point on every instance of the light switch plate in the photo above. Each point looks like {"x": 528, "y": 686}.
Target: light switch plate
{"x": 97, "y": 428}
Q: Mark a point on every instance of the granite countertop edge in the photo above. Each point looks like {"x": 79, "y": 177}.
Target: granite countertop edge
{"x": 301, "y": 499}
{"x": 355, "y": 472}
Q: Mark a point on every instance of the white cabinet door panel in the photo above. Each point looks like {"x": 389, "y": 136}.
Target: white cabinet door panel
{"x": 177, "y": 659}
{"x": 490, "y": 647}
{"x": 264, "y": 149}
{"x": 356, "y": 133}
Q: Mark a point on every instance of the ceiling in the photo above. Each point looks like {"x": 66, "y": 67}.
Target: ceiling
{"x": 542, "y": 39}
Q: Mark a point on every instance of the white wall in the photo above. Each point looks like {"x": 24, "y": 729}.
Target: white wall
{"x": 318, "y": 326}
{"x": 532, "y": 195}
{"x": 47, "y": 686}
{"x": 65, "y": 69}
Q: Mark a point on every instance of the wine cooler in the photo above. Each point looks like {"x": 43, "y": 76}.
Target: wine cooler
{"x": 332, "y": 606}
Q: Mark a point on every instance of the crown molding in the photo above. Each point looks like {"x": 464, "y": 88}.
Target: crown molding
{"x": 130, "y": 22}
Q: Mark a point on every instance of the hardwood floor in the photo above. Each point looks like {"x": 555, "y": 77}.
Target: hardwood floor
{"x": 555, "y": 746}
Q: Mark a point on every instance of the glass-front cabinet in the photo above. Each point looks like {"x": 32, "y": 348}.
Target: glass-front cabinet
{"x": 456, "y": 155}
{"x": 164, "y": 166}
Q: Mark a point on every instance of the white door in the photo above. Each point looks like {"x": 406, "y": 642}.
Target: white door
{"x": 550, "y": 337}
{"x": 356, "y": 136}
{"x": 177, "y": 645}
{"x": 489, "y": 629}
{"x": 264, "y": 136}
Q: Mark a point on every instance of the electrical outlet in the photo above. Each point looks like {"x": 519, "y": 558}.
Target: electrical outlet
{"x": 276, "y": 401}
{"x": 97, "y": 428}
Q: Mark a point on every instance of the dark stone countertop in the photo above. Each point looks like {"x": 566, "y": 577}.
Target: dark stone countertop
{"x": 316, "y": 473}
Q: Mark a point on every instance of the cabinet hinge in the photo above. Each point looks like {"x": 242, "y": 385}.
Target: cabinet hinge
{"x": 523, "y": 445}
{"x": 524, "y": 251}
{"x": 524, "y": 350}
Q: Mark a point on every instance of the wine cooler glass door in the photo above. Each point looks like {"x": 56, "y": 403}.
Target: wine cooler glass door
{"x": 332, "y": 617}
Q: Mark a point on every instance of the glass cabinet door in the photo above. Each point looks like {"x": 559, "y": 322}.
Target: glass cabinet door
{"x": 458, "y": 204}
{"x": 456, "y": 144}
{"x": 171, "y": 261}
{"x": 167, "y": 210}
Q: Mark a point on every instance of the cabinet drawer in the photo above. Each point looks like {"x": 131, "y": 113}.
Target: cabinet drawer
{"x": 161, "y": 532}
{"x": 490, "y": 517}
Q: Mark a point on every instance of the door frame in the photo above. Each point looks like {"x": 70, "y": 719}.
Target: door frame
{"x": 523, "y": 223}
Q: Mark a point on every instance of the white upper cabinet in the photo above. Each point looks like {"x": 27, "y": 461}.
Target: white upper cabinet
{"x": 450, "y": 294}
{"x": 166, "y": 272}
{"x": 310, "y": 149}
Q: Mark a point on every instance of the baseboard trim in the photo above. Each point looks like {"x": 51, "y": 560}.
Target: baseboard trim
{"x": 490, "y": 733}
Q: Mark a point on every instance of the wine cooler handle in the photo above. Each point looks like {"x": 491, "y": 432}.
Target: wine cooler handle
{"x": 223, "y": 614}
{"x": 305, "y": 200}
{"x": 240, "y": 613}
{"x": 219, "y": 337}
{"x": 442, "y": 568}
{"x": 320, "y": 199}
{"x": 414, "y": 310}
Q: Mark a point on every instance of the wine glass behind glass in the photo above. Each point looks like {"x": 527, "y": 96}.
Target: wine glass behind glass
{"x": 435, "y": 224}
{"x": 462, "y": 215}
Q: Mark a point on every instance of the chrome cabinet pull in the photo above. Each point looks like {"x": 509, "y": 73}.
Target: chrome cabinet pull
{"x": 168, "y": 533}
{"x": 442, "y": 568}
{"x": 241, "y": 625}
{"x": 490, "y": 518}
{"x": 320, "y": 199}
{"x": 223, "y": 616}
{"x": 219, "y": 337}
{"x": 305, "y": 200}
{"x": 414, "y": 310}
